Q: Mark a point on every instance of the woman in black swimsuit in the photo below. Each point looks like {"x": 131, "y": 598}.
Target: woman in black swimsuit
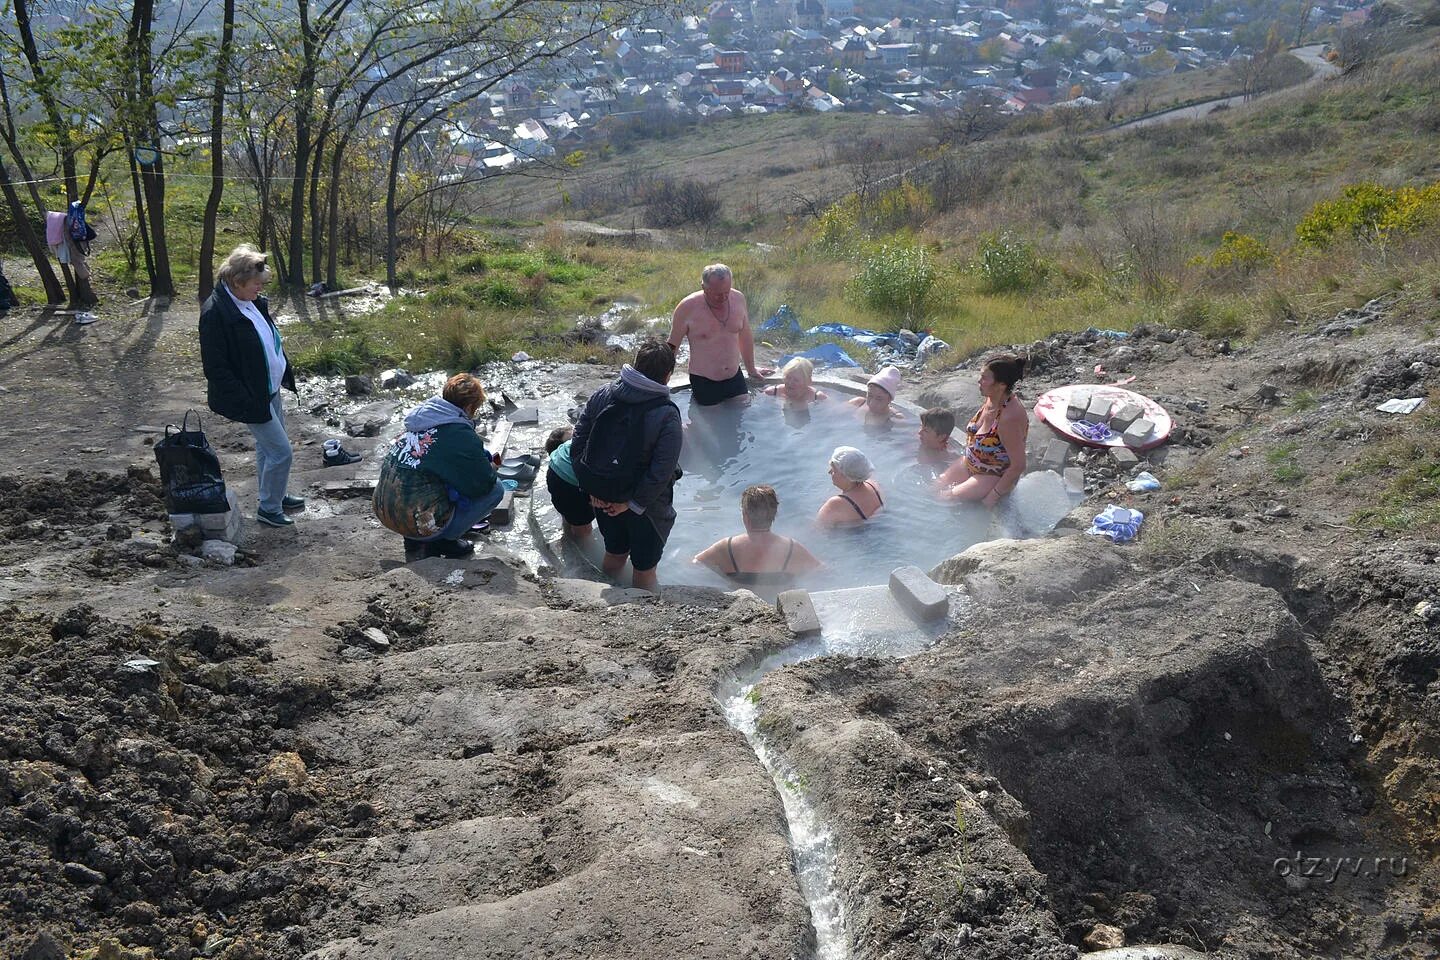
{"x": 859, "y": 498}
{"x": 758, "y": 557}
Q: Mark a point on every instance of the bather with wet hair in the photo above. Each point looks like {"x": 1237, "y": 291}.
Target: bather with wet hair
{"x": 758, "y": 557}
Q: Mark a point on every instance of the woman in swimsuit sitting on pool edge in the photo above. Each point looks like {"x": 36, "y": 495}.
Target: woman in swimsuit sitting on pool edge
{"x": 859, "y": 497}
{"x": 994, "y": 458}
{"x": 798, "y": 390}
{"x": 757, "y": 556}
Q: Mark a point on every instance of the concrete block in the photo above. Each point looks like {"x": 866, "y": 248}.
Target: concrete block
{"x": 1074, "y": 480}
{"x": 922, "y": 597}
{"x": 1098, "y": 411}
{"x": 1079, "y": 403}
{"x": 525, "y": 415}
{"x": 1053, "y": 455}
{"x": 504, "y": 511}
{"x": 228, "y": 526}
{"x": 799, "y": 612}
{"x": 1138, "y": 432}
{"x": 1124, "y": 456}
{"x": 1121, "y": 419}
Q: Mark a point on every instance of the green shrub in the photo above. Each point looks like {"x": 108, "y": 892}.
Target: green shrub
{"x": 896, "y": 278}
{"x": 1238, "y": 253}
{"x": 1370, "y": 212}
{"x": 837, "y": 231}
{"x": 1214, "y": 318}
{"x": 1008, "y": 264}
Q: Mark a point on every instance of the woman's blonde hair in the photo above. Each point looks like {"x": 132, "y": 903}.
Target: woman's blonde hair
{"x": 464, "y": 391}
{"x": 244, "y": 264}
{"x": 803, "y": 365}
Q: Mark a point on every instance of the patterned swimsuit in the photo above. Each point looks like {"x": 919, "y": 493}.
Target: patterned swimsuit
{"x": 985, "y": 455}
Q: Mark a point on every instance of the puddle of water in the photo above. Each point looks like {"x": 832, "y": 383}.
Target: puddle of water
{"x": 861, "y": 622}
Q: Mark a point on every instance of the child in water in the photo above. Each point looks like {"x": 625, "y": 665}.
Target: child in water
{"x": 876, "y": 404}
{"x": 798, "y": 390}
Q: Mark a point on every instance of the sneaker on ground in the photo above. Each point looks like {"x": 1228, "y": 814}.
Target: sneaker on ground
{"x": 339, "y": 456}
{"x": 273, "y": 519}
{"x": 292, "y": 503}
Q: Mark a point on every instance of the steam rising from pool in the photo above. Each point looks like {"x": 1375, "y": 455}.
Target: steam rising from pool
{"x": 729, "y": 447}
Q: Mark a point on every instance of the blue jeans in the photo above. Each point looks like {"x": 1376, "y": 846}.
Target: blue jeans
{"x": 272, "y": 457}
{"x": 467, "y": 513}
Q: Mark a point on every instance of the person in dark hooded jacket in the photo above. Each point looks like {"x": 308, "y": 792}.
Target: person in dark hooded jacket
{"x": 635, "y": 523}
{"x": 437, "y": 479}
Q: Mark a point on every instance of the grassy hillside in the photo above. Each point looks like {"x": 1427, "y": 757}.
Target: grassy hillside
{"x": 1002, "y": 241}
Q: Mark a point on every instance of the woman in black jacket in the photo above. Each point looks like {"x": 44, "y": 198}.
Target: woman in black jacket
{"x": 245, "y": 367}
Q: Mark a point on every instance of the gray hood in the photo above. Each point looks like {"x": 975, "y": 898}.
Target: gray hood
{"x": 635, "y": 387}
{"x": 433, "y": 413}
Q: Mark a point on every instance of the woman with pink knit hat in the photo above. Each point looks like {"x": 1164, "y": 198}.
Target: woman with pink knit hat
{"x": 876, "y": 404}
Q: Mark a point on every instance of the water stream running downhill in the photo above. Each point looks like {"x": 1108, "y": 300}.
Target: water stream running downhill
{"x": 863, "y": 622}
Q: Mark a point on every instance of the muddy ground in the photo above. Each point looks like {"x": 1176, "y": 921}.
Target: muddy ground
{"x": 1144, "y": 744}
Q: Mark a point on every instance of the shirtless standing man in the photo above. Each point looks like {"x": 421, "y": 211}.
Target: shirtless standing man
{"x": 718, "y": 325}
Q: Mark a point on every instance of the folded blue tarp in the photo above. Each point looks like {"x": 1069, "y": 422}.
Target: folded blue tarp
{"x": 784, "y": 319}
{"x": 825, "y": 355}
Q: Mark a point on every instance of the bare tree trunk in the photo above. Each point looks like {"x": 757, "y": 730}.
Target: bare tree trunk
{"x": 54, "y": 292}
{"x": 152, "y": 176}
{"x": 217, "y": 152}
{"x": 81, "y": 292}
{"x": 332, "y": 206}
{"x": 140, "y": 218}
{"x": 317, "y": 223}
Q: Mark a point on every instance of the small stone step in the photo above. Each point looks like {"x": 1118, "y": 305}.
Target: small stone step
{"x": 1124, "y": 456}
{"x": 1121, "y": 419}
{"x": 1054, "y": 455}
{"x": 799, "y": 612}
{"x": 504, "y": 510}
{"x": 1079, "y": 403}
{"x": 525, "y": 415}
{"x": 922, "y": 597}
{"x": 340, "y": 489}
{"x": 1074, "y": 480}
{"x": 1138, "y": 432}
{"x": 1098, "y": 411}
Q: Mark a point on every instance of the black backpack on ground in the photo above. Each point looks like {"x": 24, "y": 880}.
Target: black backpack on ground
{"x": 612, "y": 461}
{"x": 7, "y": 295}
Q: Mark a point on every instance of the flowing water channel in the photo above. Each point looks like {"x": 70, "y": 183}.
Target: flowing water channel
{"x": 863, "y": 622}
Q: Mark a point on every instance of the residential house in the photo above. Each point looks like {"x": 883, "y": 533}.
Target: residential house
{"x": 730, "y": 61}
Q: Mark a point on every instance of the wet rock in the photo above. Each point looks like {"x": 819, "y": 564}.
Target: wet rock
{"x": 358, "y": 385}
{"x": 394, "y": 379}
{"x": 1040, "y": 571}
{"x": 369, "y": 420}
{"x": 922, "y": 597}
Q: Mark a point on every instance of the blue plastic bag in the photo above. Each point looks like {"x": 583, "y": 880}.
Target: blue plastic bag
{"x": 825, "y": 355}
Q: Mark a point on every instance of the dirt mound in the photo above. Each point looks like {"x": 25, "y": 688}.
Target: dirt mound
{"x": 151, "y": 782}
{"x": 43, "y": 508}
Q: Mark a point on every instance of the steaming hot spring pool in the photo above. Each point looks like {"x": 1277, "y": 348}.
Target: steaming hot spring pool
{"x": 731, "y": 446}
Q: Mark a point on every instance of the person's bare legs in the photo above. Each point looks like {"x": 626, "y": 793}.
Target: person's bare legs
{"x": 578, "y": 533}
{"x": 646, "y": 579}
{"x": 972, "y": 488}
{"x": 613, "y": 564}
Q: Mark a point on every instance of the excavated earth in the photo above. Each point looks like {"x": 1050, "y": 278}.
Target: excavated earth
{"x": 1221, "y": 740}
